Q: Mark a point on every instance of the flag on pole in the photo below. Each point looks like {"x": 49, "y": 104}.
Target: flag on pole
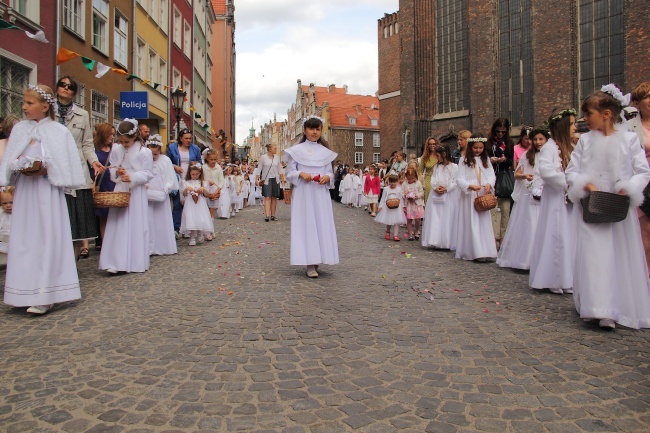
{"x": 102, "y": 70}
{"x": 38, "y": 36}
{"x": 88, "y": 63}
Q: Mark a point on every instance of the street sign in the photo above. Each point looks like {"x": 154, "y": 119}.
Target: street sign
{"x": 134, "y": 105}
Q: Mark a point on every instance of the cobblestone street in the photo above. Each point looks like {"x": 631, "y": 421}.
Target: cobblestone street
{"x": 227, "y": 336}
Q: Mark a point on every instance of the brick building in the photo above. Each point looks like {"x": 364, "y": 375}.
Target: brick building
{"x": 351, "y": 122}
{"x": 448, "y": 65}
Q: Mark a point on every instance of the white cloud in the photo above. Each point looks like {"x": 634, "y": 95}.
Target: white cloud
{"x": 281, "y": 41}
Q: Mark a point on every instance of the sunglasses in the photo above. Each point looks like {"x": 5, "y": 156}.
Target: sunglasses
{"x": 66, "y": 85}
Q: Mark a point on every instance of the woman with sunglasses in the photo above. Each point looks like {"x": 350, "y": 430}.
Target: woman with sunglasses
{"x": 502, "y": 154}
{"x": 80, "y": 201}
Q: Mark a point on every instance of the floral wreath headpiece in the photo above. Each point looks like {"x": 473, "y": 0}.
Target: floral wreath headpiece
{"x": 132, "y": 131}
{"x": 477, "y": 140}
{"x": 539, "y": 130}
{"x": 154, "y": 140}
{"x": 312, "y": 117}
{"x": 47, "y": 96}
{"x": 197, "y": 165}
{"x": 560, "y": 115}
{"x": 616, "y": 93}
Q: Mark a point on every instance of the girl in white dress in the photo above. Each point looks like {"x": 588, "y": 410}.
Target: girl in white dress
{"x": 41, "y": 268}
{"x": 551, "y": 262}
{"x": 246, "y": 190}
{"x": 610, "y": 279}
{"x": 441, "y": 212}
{"x": 392, "y": 218}
{"x": 475, "y": 177}
{"x": 128, "y": 227}
{"x": 161, "y": 224}
{"x": 223, "y": 209}
{"x": 309, "y": 169}
{"x": 237, "y": 197}
{"x": 6, "y": 202}
{"x": 517, "y": 246}
{"x": 196, "y": 216}
{"x": 349, "y": 193}
{"x": 213, "y": 175}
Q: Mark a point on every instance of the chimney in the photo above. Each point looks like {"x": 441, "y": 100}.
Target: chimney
{"x": 345, "y": 88}
{"x": 331, "y": 88}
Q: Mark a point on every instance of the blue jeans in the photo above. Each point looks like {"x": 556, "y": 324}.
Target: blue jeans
{"x": 177, "y": 211}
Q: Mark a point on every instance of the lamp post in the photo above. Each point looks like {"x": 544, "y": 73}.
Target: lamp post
{"x": 178, "y": 99}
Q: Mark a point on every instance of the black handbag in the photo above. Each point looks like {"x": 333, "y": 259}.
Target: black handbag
{"x": 604, "y": 207}
{"x": 281, "y": 195}
{"x": 505, "y": 183}
{"x": 645, "y": 207}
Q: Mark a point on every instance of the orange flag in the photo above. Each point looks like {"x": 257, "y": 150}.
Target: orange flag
{"x": 119, "y": 71}
{"x": 64, "y": 55}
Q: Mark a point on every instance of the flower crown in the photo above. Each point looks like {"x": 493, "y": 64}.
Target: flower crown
{"x": 477, "y": 140}
{"x": 154, "y": 140}
{"x": 132, "y": 131}
{"x": 197, "y": 165}
{"x": 539, "y": 130}
{"x": 560, "y": 115}
{"x": 616, "y": 93}
{"x": 312, "y": 117}
{"x": 49, "y": 98}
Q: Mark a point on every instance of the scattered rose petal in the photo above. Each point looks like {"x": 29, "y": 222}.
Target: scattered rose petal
{"x": 486, "y": 310}
{"x": 230, "y": 293}
{"x": 430, "y": 297}
{"x": 498, "y": 303}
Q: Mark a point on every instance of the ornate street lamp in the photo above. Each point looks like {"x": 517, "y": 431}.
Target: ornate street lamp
{"x": 178, "y": 99}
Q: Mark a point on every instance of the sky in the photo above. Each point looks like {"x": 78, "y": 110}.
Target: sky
{"x": 321, "y": 42}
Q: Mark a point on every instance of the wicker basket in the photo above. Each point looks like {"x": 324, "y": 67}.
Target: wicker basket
{"x": 485, "y": 202}
{"x": 287, "y": 195}
{"x": 104, "y": 199}
{"x": 392, "y": 202}
{"x": 604, "y": 207}
{"x": 36, "y": 166}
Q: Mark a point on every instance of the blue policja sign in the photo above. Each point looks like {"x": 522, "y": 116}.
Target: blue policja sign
{"x": 134, "y": 105}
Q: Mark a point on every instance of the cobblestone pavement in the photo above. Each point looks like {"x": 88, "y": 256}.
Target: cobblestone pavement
{"x": 227, "y": 336}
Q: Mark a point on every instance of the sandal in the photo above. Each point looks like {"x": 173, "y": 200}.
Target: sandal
{"x": 396, "y": 238}
{"x": 273, "y": 218}
{"x": 417, "y": 236}
{"x": 411, "y": 238}
{"x": 387, "y": 236}
{"x": 84, "y": 253}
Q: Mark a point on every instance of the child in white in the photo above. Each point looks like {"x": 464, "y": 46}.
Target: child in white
{"x": 441, "y": 212}
{"x": 551, "y": 262}
{"x": 6, "y": 201}
{"x": 128, "y": 227}
{"x": 349, "y": 193}
{"x": 610, "y": 280}
{"x": 41, "y": 268}
{"x": 517, "y": 246}
{"x": 475, "y": 177}
{"x": 196, "y": 215}
{"x": 246, "y": 189}
{"x": 213, "y": 175}
{"x": 161, "y": 224}
{"x": 309, "y": 169}
{"x": 223, "y": 209}
{"x": 392, "y": 218}
{"x": 237, "y": 194}
{"x": 359, "y": 199}
{"x": 413, "y": 203}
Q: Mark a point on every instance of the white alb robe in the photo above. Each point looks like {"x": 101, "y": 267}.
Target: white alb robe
{"x": 162, "y": 240}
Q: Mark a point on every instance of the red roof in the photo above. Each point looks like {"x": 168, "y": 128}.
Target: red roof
{"x": 343, "y": 106}
{"x": 219, "y": 7}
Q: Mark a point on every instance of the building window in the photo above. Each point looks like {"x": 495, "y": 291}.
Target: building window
{"x": 375, "y": 139}
{"x": 100, "y": 25}
{"x": 385, "y": 32}
{"x": 116, "y": 114}
{"x": 374, "y": 122}
{"x": 121, "y": 39}
{"x": 358, "y": 157}
{"x": 390, "y": 30}
{"x": 352, "y": 120}
{"x": 162, "y": 73}
{"x": 164, "y": 10}
{"x": 376, "y": 158}
{"x": 358, "y": 139}
{"x": 99, "y": 108}
{"x": 452, "y": 56}
{"x": 73, "y": 15}
{"x": 516, "y": 61}
{"x": 176, "y": 78}
{"x": 187, "y": 39}
{"x": 13, "y": 79}
{"x": 139, "y": 61}
{"x": 178, "y": 19}
{"x": 396, "y": 28}
{"x": 602, "y": 44}
{"x": 80, "y": 97}
{"x": 187, "y": 87}
{"x": 29, "y": 9}
{"x": 153, "y": 9}
{"x": 153, "y": 60}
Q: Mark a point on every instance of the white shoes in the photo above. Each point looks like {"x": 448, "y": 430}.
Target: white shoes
{"x": 607, "y": 323}
{"x": 200, "y": 239}
{"x": 39, "y": 309}
{"x": 178, "y": 235}
{"x": 111, "y": 271}
{"x": 311, "y": 271}
{"x": 192, "y": 242}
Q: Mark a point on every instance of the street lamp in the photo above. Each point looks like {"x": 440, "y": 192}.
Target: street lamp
{"x": 178, "y": 99}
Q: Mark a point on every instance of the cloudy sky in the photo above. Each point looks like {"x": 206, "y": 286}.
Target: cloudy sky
{"x": 321, "y": 42}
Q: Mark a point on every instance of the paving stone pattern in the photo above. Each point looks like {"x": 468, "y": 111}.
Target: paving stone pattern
{"x": 228, "y": 337}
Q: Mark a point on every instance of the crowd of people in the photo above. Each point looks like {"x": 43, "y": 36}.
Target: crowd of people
{"x": 525, "y": 206}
